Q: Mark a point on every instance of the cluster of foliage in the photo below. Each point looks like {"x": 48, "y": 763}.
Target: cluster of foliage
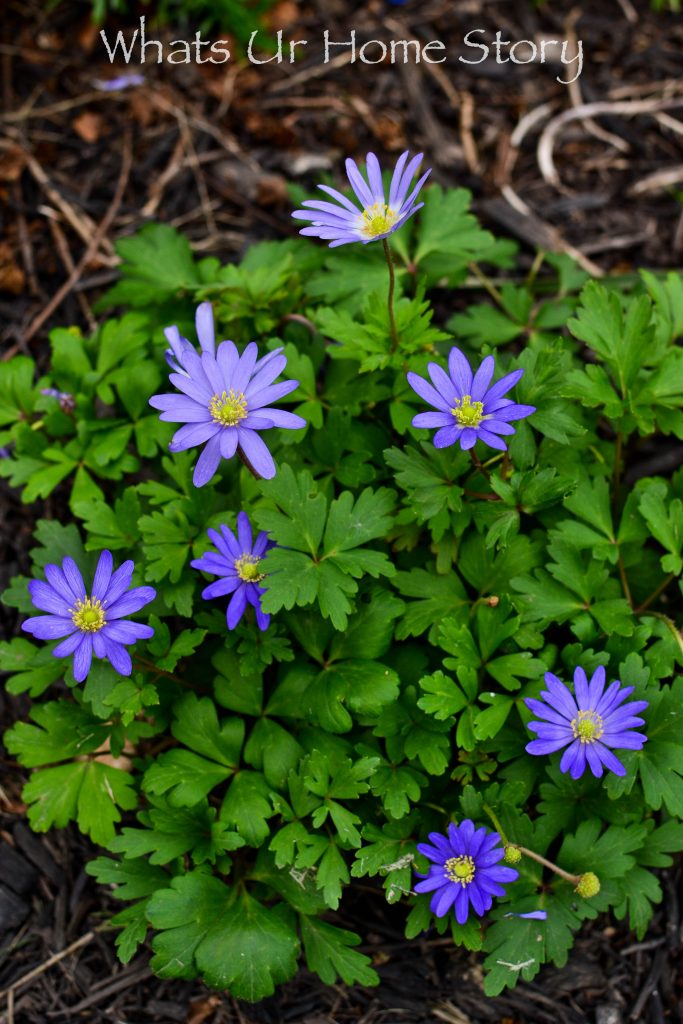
{"x": 240, "y": 780}
{"x": 238, "y": 17}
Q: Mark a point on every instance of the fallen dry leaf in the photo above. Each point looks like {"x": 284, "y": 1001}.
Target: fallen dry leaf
{"x": 88, "y": 35}
{"x": 12, "y": 277}
{"x": 88, "y": 126}
{"x": 200, "y": 1009}
{"x": 283, "y": 15}
{"x": 12, "y": 163}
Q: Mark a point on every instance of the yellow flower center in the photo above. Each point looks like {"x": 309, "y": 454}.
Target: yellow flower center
{"x": 468, "y": 413}
{"x": 587, "y": 727}
{"x": 460, "y": 870}
{"x": 377, "y": 220}
{"x": 228, "y": 408}
{"x": 247, "y": 568}
{"x": 88, "y": 616}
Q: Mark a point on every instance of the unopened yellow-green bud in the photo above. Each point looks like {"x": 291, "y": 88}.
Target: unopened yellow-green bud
{"x": 512, "y": 855}
{"x": 588, "y": 885}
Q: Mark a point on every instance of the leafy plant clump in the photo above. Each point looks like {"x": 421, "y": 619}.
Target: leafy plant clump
{"x": 407, "y": 610}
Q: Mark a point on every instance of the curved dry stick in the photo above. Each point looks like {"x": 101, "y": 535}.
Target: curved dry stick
{"x": 627, "y": 108}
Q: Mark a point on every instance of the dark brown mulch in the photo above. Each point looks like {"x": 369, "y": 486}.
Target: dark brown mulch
{"x": 214, "y": 146}
{"x": 211, "y": 150}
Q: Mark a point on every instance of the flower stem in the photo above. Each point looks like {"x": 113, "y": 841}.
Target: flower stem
{"x": 574, "y": 879}
{"x": 479, "y": 464}
{"x": 655, "y": 594}
{"x": 247, "y": 463}
{"x": 496, "y": 824}
{"x": 616, "y": 471}
{"x": 149, "y": 666}
{"x": 488, "y": 285}
{"x": 390, "y": 297}
{"x": 624, "y": 580}
{"x": 671, "y": 626}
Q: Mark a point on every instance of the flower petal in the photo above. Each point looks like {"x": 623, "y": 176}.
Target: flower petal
{"x": 73, "y": 577}
{"x": 427, "y": 392}
{"x": 48, "y": 627}
{"x": 238, "y": 603}
{"x": 131, "y": 602}
{"x": 47, "y": 599}
{"x": 208, "y": 462}
{"x": 83, "y": 658}
{"x": 256, "y": 453}
{"x": 460, "y": 371}
{"x": 205, "y": 329}
{"x": 102, "y": 577}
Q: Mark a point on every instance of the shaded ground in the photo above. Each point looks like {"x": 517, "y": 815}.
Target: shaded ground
{"x": 211, "y": 150}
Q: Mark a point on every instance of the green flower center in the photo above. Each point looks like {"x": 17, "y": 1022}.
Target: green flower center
{"x": 460, "y": 870}
{"x": 587, "y": 727}
{"x": 377, "y": 220}
{"x": 228, "y": 408}
{"x": 468, "y": 413}
{"x": 88, "y": 616}
{"x": 247, "y": 568}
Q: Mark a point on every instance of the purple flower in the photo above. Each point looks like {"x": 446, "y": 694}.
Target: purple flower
{"x": 225, "y": 401}
{"x": 468, "y": 409}
{"x": 533, "y": 915}
{"x": 237, "y": 563}
{"x": 179, "y": 345}
{"x": 465, "y": 871}
{"x": 67, "y": 402}
{"x": 587, "y": 724}
{"x": 342, "y": 222}
{"x": 122, "y": 82}
{"x": 90, "y": 623}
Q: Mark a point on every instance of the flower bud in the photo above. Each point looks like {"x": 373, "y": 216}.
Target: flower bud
{"x": 493, "y": 601}
{"x": 512, "y": 855}
{"x": 588, "y": 885}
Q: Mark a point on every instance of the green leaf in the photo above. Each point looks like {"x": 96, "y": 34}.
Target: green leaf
{"x": 247, "y": 806}
{"x": 32, "y": 669}
{"x": 63, "y": 730}
{"x": 297, "y": 572}
{"x": 439, "y": 596}
{"x": 17, "y": 396}
{"x": 186, "y": 777}
{"x": 86, "y": 791}
{"x": 196, "y": 725}
{"x": 131, "y": 880}
{"x": 232, "y": 940}
{"x": 113, "y": 527}
{"x": 518, "y": 948}
{"x": 658, "y": 764}
{"x": 157, "y": 263}
{"x": 172, "y": 832}
{"x": 664, "y": 516}
{"x": 330, "y": 954}
{"x": 444, "y": 697}
{"x": 621, "y": 338}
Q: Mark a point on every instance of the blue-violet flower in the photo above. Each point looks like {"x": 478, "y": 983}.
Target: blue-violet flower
{"x": 468, "y": 409}
{"x": 466, "y": 870}
{"x": 587, "y": 723}
{"x": 237, "y": 563}
{"x": 91, "y": 623}
{"x": 342, "y": 221}
{"x": 179, "y": 345}
{"x": 225, "y": 402}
